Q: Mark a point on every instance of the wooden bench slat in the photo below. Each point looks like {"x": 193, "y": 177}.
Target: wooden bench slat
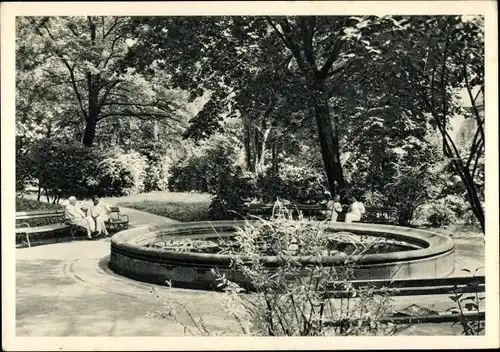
{"x": 26, "y": 217}
{"x": 45, "y": 228}
{"x": 39, "y": 212}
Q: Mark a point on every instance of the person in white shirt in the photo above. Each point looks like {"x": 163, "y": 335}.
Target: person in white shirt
{"x": 99, "y": 213}
{"x": 334, "y": 207}
{"x": 356, "y": 210}
{"x": 77, "y": 217}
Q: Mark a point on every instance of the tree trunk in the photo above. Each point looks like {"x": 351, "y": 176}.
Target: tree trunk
{"x": 328, "y": 140}
{"x": 474, "y": 201}
{"x": 92, "y": 88}
{"x": 93, "y": 110}
{"x": 247, "y": 142}
{"x": 90, "y": 127}
{"x": 274, "y": 160}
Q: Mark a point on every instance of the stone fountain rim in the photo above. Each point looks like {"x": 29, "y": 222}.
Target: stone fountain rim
{"x": 435, "y": 244}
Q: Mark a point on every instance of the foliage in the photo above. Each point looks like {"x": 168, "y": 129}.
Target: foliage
{"x": 234, "y": 188}
{"x": 444, "y": 56}
{"x": 64, "y": 170}
{"x": 27, "y": 205}
{"x": 23, "y": 167}
{"x": 77, "y": 62}
{"x": 441, "y": 212}
{"x": 121, "y": 173}
{"x": 293, "y": 299}
{"x": 274, "y": 92}
{"x": 468, "y": 303}
{"x": 200, "y": 171}
{"x": 295, "y": 183}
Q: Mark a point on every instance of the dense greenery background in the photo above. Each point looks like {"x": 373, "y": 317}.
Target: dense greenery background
{"x": 390, "y": 109}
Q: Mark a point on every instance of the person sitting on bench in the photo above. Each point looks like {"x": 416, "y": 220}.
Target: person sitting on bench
{"x": 334, "y": 208}
{"x": 356, "y": 210}
{"x": 99, "y": 213}
{"x": 78, "y": 218}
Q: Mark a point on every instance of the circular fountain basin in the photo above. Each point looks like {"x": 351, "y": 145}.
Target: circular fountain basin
{"x": 419, "y": 254}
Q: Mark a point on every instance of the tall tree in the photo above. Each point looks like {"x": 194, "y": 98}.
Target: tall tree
{"x": 224, "y": 55}
{"x": 85, "y": 55}
{"x": 441, "y": 57}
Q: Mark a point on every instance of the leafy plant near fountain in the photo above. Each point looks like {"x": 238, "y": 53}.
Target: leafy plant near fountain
{"x": 464, "y": 303}
{"x": 292, "y": 299}
{"x": 296, "y": 300}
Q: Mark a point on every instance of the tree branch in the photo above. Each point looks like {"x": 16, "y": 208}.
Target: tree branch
{"x": 307, "y": 26}
{"x": 331, "y": 57}
{"x": 472, "y": 100}
{"x": 289, "y": 42}
{"x": 140, "y": 115}
{"x": 70, "y": 27}
{"x": 476, "y": 142}
{"x": 70, "y": 69}
{"x": 102, "y": 100}
{"x": 111, "y": 29}
{"x": 112, "y": 50}
{"x": 75, "y": 88}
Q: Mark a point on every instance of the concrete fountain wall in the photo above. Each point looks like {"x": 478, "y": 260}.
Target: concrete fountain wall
{"x": 130, "y": 256}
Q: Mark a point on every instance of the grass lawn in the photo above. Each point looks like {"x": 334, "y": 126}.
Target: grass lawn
{"x": 178, "y": 206}
{"x": 27, "y": 204}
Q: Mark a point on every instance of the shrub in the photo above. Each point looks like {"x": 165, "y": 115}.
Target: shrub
{"x": 28, "y": 205}
{"x": 24, "y": 168}
{"x": 121, "y": 173}
{"x": 297, "y": 184}
{"x": 232, "y": 189}
{"x": 292, "y": 299}
{"x": 157, "y": 177}
{"x": 200, "y": 172}
{"x": 64, "y": 169}
{"x": 190, "y": 175}
{"x": 437, "y": 213}
{"x": 25, "y": 204}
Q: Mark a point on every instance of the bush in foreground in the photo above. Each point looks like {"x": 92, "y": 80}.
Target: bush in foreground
{"x": 285, "y": 301}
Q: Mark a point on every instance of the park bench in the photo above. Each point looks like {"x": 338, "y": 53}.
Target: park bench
{"x": 24, "y": 230}
{"x": 308, "y": 210}
{"x": 380, "y": 215}
{"x": 372, "y": 215}
{"x": 117, "y": 222}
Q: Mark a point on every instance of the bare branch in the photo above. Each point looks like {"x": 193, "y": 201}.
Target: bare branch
{"x": 112, "y": 49}
{"x": 75, "y": 88}
{"x": 307, "y": 26}
{"x": 473, "y": 101}
{"x": 334, "y": 53}
{"x": 111, "y": 28}
{"x": 109, "y": 88}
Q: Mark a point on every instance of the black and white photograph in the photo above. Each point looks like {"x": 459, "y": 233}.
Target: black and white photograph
{"x": 250, "y": 169}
